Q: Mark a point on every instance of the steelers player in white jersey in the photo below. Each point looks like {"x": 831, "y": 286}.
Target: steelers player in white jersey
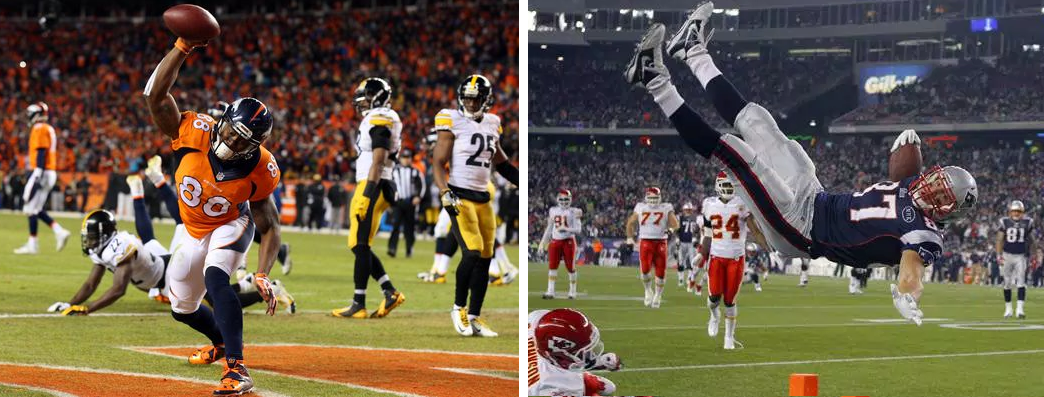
{"x": 378, "y": 144}
{"x": 469, "y": 145}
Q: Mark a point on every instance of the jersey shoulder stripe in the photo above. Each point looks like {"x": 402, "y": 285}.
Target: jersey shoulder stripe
{"x": 444, "y": 120}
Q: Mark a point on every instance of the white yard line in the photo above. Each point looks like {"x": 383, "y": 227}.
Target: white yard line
{"x": 768, "y": 326}
{"x": 834, "y": 360}
{"x": 56, "y": 315}
{"x": 55, "y": 393}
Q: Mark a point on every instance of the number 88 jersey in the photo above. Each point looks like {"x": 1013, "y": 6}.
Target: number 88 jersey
{"x": 475, "y": 143}
{"x": 212, "y": 192}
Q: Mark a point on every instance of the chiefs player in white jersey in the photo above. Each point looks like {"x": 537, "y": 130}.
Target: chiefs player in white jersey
{"x": 563, "y": 224}
{"x": 656, "y": 221}
{"x": 563, "y": 345}
{"x": 726, "y": 222}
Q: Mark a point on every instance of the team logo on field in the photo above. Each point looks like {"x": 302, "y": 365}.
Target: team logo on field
{"x": 908, "y": 215}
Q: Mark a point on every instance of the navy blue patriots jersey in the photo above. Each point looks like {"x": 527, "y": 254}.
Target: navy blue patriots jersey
{"x": 873, "y": 227}
{"x": 1016, "y": 234}
{"x": 756, "y": 260}
{"x": 688, "y": 228}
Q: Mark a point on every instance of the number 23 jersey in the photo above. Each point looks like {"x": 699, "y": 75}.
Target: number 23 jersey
{"x": 873, "y": 227}
{"x": 475, "y": 143}
{"x": 212, "y": 193}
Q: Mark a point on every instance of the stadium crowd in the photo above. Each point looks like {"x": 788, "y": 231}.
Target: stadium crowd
{"x": 608, "y": 180}
{"x": 586, "y": 88}
{"x": 305, "y": 67}
{"x": 1011, "y": 88}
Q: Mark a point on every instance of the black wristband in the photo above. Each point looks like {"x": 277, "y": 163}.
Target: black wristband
{"x": 509, "y": 172}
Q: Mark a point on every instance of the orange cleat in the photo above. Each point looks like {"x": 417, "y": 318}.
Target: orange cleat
{"x": 235, "y": 381}
{"x": 207, "y": 354}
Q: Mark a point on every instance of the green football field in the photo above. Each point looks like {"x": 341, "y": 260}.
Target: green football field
{"x": 135, "y": 348}
{"x": 854, "y": 343}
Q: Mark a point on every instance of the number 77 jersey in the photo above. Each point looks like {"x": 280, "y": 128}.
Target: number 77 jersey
{"x": 873, "y": 227}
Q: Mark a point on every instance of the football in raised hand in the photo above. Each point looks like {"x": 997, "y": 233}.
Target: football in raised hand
{"x": 191, "y": 22}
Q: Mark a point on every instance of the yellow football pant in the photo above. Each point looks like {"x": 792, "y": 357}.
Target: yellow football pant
{"x": 365, "y": 220}
{"x": 475, "y": 227}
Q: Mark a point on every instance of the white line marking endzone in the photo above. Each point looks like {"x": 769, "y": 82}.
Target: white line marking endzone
{"x": 55, "y": 393}
{"x": 135, "y": 374}
{"x": 770, "y": 326}
{"x": 475, "y": 372}
{"x": 834, "y": 360}
{"x": 275, "y": 373}
{"x": 56, "y": 315}
{"x": 142, "y": 349}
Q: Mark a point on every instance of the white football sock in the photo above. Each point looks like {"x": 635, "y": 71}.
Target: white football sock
{"x": 647, "y": 282}
{"x": 552, "y": 276}
{"x": 1018, "y": 306}
{"x": 501, "y": 256}
{"x": 659, "y": 286}
{"x": 442, "y": 264}
{"x": 703, "y": 67}
{"x": 1007, "y": 306}
{"x": 730, "y": 321}
{"x": 665, "y": 94}
{"x": 32, "y": 241}
{"x": 572, "y": 282}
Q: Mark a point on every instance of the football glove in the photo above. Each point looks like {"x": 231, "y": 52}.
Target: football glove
{"x": 606, "y": 362}
{"x": 58, "y": 307}
{"x": 264, "y": 287}
{"x": 906, "y": 138}
{"x": 630, "y": 241}
{"x": 450, "y": 202}
{"x": 75, "y": 310}
{"x": 907, "y": 305}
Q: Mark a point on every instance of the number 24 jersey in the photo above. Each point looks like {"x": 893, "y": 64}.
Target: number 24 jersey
{"x": 212, "y": 193}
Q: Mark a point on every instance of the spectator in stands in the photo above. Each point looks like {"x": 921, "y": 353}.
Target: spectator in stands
{"x": 315, "y": 194}
{"x": 338, "y": 199}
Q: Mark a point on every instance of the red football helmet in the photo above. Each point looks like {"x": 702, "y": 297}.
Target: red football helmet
{"x": 652, "y": 195}
{"x": 723, "y": 185}
{"x": 565, "y": 197}
{"x": 567, "y": 338}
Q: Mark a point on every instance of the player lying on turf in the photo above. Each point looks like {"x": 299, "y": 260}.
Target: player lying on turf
{"x": 890, "y": 223}
{"x": 225, "y": 181}
{"x": 563, "y": 224}
{"x": 140, "y": 260}
{"x": 563, "y": 346}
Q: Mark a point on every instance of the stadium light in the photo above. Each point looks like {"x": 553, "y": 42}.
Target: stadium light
{"x": 21, "y": 64}
{"x": 560, "y": 59}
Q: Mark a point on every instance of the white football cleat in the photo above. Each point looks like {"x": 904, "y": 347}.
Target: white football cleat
{"x": 1007, "y": 313}
{"x": 732, "y": 343}
{"x": 647, "y": 62}
{"x": 803, "y": 281}
{"x": 648, "y": 298}
{"x": 572, "y": 295}
{"x": 509, "y": 277}
{"x": 655, "y": 302}
{"x": 154, "y": 170}
{"x": 757, "y": 287}
{"x": 479, "y": 328}
{"x": 692, "y": 38}
{"x": 460, "y": 321}
{"x": 712, "y": 324}
{"x": 61, "y": 237}
{"x": 283, "y": 297}
{"x": 1020, "y": 315}
{"x": 27, "y": 249}
{"x": 549, "y": 295}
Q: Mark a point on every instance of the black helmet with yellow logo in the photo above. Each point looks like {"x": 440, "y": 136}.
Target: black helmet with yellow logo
{"x": 99, "y": 226}
{"x": 475, "y": 96}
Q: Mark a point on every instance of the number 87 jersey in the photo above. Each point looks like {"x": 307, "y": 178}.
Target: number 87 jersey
{"x": 212, "y": 192}
{"x": 874, "y": 226}
{"x": 475, "y": 143}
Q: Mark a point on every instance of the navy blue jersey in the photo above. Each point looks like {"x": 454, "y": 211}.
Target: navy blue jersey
{"x": 756, "y": 260}
{"x": 873, "y": 227}
{"x": 1016, "y": 234}
{"x": 689, "y": 228}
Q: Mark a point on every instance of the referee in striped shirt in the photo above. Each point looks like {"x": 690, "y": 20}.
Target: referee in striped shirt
{"x": 409, "y": 188}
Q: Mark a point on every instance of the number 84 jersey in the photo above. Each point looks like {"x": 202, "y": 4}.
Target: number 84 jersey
{"x": 873, "y": 227}
{"x": 211, "y": 192}
{"x": 475, "y": 143}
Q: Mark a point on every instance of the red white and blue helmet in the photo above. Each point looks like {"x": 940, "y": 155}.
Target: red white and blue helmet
{"x": 724, "y": 187}
{"x": 565, "y": 197}
{"x": 652, "y": 195}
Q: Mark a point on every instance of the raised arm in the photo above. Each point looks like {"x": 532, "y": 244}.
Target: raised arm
{"x": 164, "y": 110}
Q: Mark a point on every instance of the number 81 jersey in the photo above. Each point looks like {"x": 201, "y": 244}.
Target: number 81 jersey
{"x": 475, "y": 143}
{"x": 212, "y": 192}
{"x": 873, "y": 227}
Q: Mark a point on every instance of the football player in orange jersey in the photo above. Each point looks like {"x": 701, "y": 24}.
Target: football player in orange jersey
{"x": 43, "y": 158}
{"x": 225, "y": 180}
